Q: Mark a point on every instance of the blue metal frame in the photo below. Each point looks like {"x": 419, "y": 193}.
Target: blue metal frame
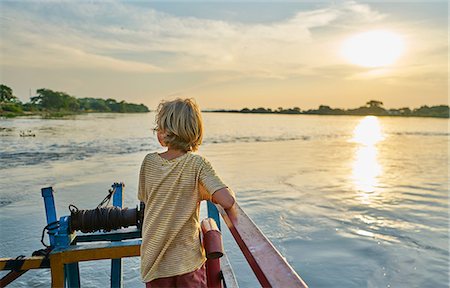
{"x": 72, "y": 275}
{"x": 116, "y": 264}
{"x": 213, "y": 213}
{"x": 60, "y": 236}
{"x": 63, "y": 237}
{"x": 50, "y": 213}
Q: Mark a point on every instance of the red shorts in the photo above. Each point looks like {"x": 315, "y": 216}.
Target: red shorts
{"x": 195, "y": 279}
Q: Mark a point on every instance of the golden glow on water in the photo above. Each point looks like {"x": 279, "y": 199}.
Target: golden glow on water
{"x": 366, "y": 168}
{"x": 368, "y": 132}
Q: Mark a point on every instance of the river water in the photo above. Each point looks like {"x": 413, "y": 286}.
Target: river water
{"x": 349, "y": 201}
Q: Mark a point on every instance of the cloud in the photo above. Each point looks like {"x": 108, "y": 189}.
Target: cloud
{"x": 101, "y": 35}
{"x": 134, "y": 38}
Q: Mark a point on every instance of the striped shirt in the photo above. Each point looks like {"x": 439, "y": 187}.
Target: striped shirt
{"x": 172, "y": 191}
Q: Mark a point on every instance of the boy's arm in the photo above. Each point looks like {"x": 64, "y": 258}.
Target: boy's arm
{"x": 221, "y": 194}
{"x": 225, "y": 198}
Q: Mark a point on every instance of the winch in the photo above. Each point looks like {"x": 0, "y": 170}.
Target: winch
{"x": 103, "y": 218}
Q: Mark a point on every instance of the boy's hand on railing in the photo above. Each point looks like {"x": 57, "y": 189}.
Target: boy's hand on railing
{"x": 232, "y": 214}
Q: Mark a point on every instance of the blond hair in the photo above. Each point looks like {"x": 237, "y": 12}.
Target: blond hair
{"x": 181, "y": 122}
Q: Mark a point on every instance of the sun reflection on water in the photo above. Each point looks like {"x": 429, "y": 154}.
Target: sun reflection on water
{"x": 368, "y": 132}
{"x": 366, "y": 168}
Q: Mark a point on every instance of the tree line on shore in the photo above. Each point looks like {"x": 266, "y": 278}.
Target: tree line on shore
{"x": 372, "y": 107}
{"x": 55, "y": 103}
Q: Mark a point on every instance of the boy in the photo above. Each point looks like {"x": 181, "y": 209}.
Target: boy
{"x": 172, "y": 184}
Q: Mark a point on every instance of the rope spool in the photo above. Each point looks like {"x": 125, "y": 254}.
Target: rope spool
{"x": 103, "y": 218}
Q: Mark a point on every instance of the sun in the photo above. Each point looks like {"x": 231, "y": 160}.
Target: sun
{"x": 373, "y": 48}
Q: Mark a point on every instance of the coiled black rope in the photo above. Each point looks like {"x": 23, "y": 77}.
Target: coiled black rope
{"x": 52, "y": 228}
{"x": 101, "y": 218}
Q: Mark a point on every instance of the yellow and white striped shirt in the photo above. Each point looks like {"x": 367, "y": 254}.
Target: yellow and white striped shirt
{"x": 172, "y": 191}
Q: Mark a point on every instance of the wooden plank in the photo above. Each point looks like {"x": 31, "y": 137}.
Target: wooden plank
{"x": 10, "y": 277}
{"x": 269, "y": 266}
{"x": 57, "y": 270}
{"x": 89, "y": 252}
{"x": 34, "y": 262}
{"x": 98, "y": 251}
{"x": 227, "y": 273}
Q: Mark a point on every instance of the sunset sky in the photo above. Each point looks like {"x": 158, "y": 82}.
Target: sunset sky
{"x": 230, "y": 55}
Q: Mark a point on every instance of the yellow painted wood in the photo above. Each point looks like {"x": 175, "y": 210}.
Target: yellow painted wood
{"x": 88, "y": 254}
{"x": 79, "y": 253}
{"x": 3, "y": 263}
{"x": 33, "y": 262}
{"x": 57, "y": 269}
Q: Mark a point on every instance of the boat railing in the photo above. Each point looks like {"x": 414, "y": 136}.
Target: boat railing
{"x": 269, "y": 266}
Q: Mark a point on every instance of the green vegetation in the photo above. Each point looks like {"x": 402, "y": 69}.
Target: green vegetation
{"x": 372, "y": 107}
{"x": 10, "y": 105}
{"x": 49, "y": 103}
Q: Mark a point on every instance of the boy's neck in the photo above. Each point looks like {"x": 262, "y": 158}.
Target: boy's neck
{"x": 172, "y": 153}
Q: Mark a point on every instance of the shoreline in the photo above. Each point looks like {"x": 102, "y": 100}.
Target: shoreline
{"x": 320, "y": 114}
{"x": 58, "y": 115}
{"x": 62, "y": 114}
{"x": 55, "y": 114}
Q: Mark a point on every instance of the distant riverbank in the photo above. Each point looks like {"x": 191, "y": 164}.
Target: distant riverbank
{"x": 372, "y": 107}
{"x": 51, "y": 114}
{"x": 54, "y": 104}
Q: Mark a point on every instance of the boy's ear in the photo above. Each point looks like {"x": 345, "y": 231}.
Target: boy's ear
{"x": 160, "y": 136}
